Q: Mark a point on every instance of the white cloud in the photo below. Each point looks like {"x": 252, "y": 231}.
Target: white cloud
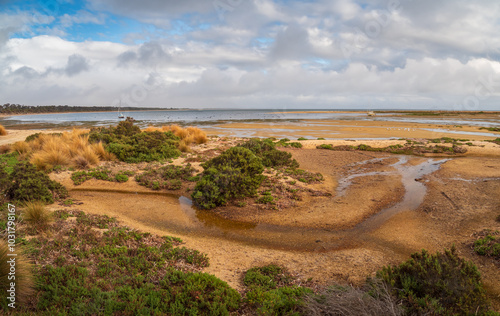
{"x": 263, "y": 54}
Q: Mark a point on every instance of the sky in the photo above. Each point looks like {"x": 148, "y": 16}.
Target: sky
{"x": 250, "y": 54}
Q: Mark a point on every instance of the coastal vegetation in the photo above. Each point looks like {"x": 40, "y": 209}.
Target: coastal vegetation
{"x": 410, "y": 148}
{"x": 3, "y": 131}
{"x": 12, "y": 109}
{"x": 89, "y": 264}
{"x": 235, "y": 173}
{"x": 92, "y": 265}
{"x": 26, "y": 183}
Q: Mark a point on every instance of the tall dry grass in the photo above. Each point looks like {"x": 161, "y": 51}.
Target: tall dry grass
{"x": 3, "y": 131}
{"x": 189, "y": 135}
{"x": 24, "y": 277}
{"x": 20, "y": 147}
{"x": 35, "y": 213}
{"x": 70, "y": 149}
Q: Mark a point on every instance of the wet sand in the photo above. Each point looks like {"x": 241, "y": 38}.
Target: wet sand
{"x": 355, "y": 129}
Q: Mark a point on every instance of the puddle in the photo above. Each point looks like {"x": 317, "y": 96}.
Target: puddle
{"x": 177, "y": 214}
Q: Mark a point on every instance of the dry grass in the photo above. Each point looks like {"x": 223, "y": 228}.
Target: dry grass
{"x": 351, "y": 301}
{"x": 35, "y": 214}
{"x": 183, "y": 146}
{"x": 48, "y": 159}
{"x": 99, "y": 149}
{"x": 4, "y": 149}
{"x": 66, "y": 150}
{"x": 20, "y": 147}
{"x": 188, "y": 136}
{"x": 24, "y": 278}
{"x": 3, "y": 131}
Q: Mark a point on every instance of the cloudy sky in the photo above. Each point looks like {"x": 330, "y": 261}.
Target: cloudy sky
{"x": 276, "y": 54}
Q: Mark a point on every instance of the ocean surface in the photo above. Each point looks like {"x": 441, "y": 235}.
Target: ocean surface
{"x": 208, "y": 118}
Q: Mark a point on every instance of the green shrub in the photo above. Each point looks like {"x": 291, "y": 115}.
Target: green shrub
{"x": 271, "y": 292}
{"x": 282, "y": 301}
{"x": 27, "y": 183}
{"x": 271, "y": 157}
{"x": 157, "y": 178}
{"x": 123, "y": 272}
{"x": 437, "y": 284}
{"x": 129, "y": 144}
{"x": 267, "y": 277}
{"x": 235, "y": 173}
{"x": 488, "y": 246}
{"x": 302, "y": 138}
{"x": 120, "y": 177}
{"x": 99, "y": 173}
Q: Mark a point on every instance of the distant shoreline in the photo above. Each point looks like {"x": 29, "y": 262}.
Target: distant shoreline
{"x": 73, "y": 112}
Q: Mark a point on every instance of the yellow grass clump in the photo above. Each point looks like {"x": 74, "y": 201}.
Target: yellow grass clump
{"x": 68, "y": 149}
{"x": 3, "y": 131}
{"x": 197, "y": 135}
{"x": 99, "y": 149}
{"x": 188, "y": 136}
{"x": 24, "y": 277}
{"x": 36, "y": 214}
{"x": 4, "y": 149}
{"x": 21, "y": 147}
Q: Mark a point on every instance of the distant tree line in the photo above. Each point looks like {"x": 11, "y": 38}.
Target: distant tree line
{"x": 8, "y": 108}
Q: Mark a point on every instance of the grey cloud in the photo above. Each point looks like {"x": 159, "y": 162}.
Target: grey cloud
{"x": 76, "y": 64}
{"x": 148, "y": 54}
{"x": 292, "y": 43}
{"x": 26, "y": 73}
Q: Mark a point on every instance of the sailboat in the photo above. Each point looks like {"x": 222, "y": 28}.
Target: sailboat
{"x": 120, "y": 115}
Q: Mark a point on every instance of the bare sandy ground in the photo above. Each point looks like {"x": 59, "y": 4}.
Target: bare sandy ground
{"x": 16, "y": 135}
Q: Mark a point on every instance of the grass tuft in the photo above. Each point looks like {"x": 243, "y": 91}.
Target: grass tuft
{"x": 35, "y": 213}
{"x": 24, "y": 277}
{"x": 20, "y": 147}
{"x": 3, "y": 131}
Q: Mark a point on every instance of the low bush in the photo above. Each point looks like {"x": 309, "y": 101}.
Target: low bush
{"x": 489, "y": 246}
{"x": 271, "y": 291}
{"x": 235, "y": 173}
{"x": 168, "y": 177}
{"x": 271, "y": 157}
{"x": 121, "y": 272}
{"x": 3, "y": 130}
{"x": 28, "y": 184}
{"x": 439, "y": 284}
{"x": 80, "y": 177}
{"x": 129, "y": 144}
{"x": 267, "y": 277}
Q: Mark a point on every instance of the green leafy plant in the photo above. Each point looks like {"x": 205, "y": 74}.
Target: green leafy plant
{"x": 168, "y": 177}
{"x": 27, "y": 183}
{"x": 129, "y": 144}
{"x": 440, "y": 284}
{"x": 489, "y": 246}
{"x": 235, "y": 173}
